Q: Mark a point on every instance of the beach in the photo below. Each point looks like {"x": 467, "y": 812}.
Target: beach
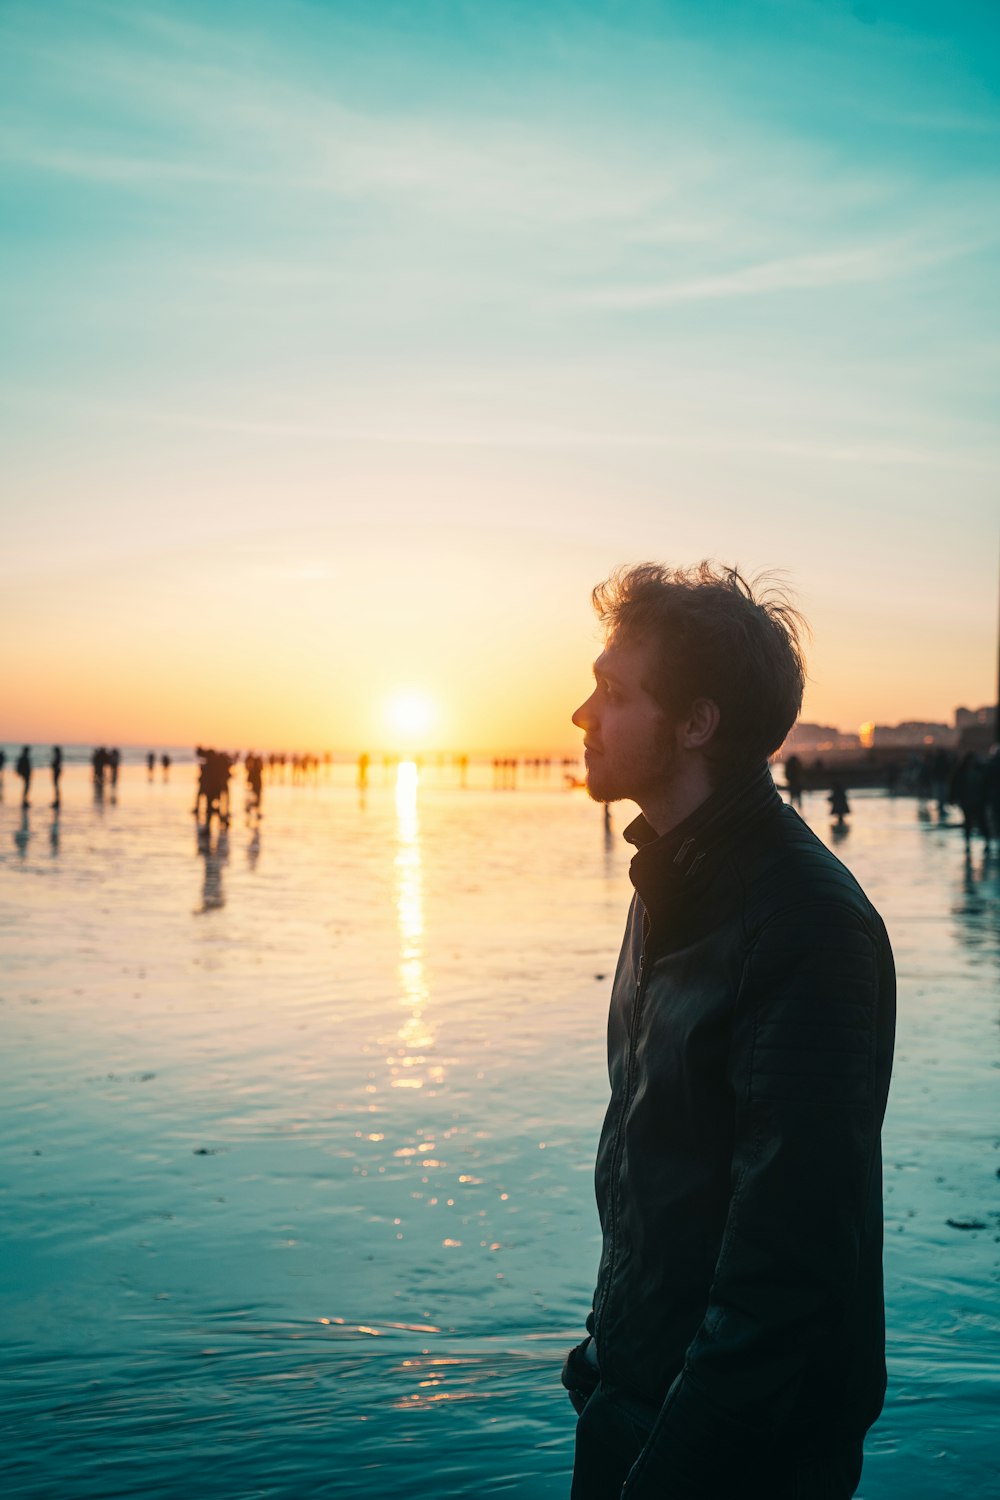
{"x": 299, "y": 1130}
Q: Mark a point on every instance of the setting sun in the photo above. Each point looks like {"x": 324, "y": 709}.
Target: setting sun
{"x": 410, "y": 716}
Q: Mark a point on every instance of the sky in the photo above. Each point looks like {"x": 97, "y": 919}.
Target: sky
{"x": 347, "y": 346}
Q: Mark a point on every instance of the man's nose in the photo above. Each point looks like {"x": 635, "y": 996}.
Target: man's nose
{"x": 581, "y": 718}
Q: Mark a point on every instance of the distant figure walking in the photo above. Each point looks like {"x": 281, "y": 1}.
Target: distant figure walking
{"x": 150, "y": 765}
{"x": 165, "y": 763}
{"x": 3, "y": 762}
{"x": 793, "y": 780}
{"x": 968, "y": 790}
{"x": 57, "y": 760}
{"x": 114, "y": 761}
{"x": 941, "y": 775}
{"x": 840, "y": 808}
{"x": 255, "y": 779}
{"x": 23, "y": 769}
{"x": 214, "y": 770}
{"x": 98, "y": 764}
{"x": 993, "y": 791}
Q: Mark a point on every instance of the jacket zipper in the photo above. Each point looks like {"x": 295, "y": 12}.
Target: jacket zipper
{"x": 619, "y": 1144}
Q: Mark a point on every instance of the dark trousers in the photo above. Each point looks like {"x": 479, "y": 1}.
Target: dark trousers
{"x": 612, "y": 1431}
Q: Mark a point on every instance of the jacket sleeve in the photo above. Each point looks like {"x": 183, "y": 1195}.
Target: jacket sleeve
{"x": 580, "y": 1374}
{"x": 802, "y": 1068}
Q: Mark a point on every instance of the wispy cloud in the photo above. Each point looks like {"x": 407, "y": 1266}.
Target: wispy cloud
{"x": 506, "y": 431}
{"x": 852, "y": 264}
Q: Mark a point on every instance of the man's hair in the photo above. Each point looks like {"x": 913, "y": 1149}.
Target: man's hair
{"x": 713, "y": 635}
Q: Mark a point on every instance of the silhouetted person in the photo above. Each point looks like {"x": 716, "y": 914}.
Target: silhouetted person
{"x": 201, "y": 795}
{"x": 114, "y": 761}
{"x": 941, "y": 776}
{"x": 222, "y": 770}
{"x": 165, "y": 763}
{"x": 150, "y": 765}
{"x": 735, "y": 1344}
{"x": 255, "y": 778}
{"x": 3, "y": 763}
{"x": 98, "y": 762}
{"x": 840, "y": 808}
{"x": 968, "y": 791}
{"x": 993, "y": 791}
{"x": 215, "y": 768}
{"x": 793, "y": 779}
{"x": 57, "y": 760}
{"x": 23, "y": 769}
{"x": 925, "y": 776}
{"x": 364, "y": 761}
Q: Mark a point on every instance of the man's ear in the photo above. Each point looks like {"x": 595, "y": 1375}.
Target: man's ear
{"x": 701, "y": 722}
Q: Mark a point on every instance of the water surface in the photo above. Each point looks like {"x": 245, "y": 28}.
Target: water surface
{"x": 298, "y": 1135}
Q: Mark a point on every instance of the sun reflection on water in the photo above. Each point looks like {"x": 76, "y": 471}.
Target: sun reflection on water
{"x": 409, "y": 1066}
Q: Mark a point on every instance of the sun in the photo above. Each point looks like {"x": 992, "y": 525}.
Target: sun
{"x": 410, "y": 716}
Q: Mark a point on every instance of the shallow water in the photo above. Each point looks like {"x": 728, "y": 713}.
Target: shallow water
{"x": 298, "y": 1136}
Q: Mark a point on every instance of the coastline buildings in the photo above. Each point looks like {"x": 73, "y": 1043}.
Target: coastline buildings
{"x": 973, "y": 729}
{"x": 817, "y": 739}
{"x": 912, "y": 734}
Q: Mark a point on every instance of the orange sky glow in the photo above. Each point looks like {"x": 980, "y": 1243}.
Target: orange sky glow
{"x": 320, "y": 642}
{"x": 343, "y": 356}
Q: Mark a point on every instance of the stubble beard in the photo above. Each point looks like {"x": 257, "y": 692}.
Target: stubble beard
{"x": 642, "y": 774}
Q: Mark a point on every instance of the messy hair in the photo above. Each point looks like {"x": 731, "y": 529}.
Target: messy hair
{"x": 714, "y": 635}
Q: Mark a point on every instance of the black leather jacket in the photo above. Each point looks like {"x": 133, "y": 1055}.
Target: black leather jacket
{"x": 739, "y": 1169}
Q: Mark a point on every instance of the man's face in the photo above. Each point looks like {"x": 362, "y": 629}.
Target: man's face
{"x": 629, "y": 744}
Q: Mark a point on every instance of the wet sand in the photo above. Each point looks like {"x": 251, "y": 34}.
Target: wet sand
{"x": 298, "y": 1139}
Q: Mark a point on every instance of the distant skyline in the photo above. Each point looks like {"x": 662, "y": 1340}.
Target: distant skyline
{"x": 347, "y": 346}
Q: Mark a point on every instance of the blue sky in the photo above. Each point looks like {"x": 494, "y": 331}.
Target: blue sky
{"x": 604, "y": 281}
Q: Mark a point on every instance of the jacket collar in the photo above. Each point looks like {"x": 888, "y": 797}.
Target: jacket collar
{"x": 665, "y": 864}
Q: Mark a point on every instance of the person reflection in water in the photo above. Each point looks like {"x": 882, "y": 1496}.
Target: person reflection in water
{"x": 215, "y": 854}
{"x": 22, "y": 835}
{"x": 736, "y": 1342}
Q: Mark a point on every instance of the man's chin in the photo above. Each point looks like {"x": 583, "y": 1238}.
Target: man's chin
{"x": 598, "y": 793}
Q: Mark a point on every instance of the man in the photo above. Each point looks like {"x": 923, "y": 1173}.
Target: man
{"x": 56, "y": 764}
{"x": 736, "y": 1341}
{"x": 23, "y": 769}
